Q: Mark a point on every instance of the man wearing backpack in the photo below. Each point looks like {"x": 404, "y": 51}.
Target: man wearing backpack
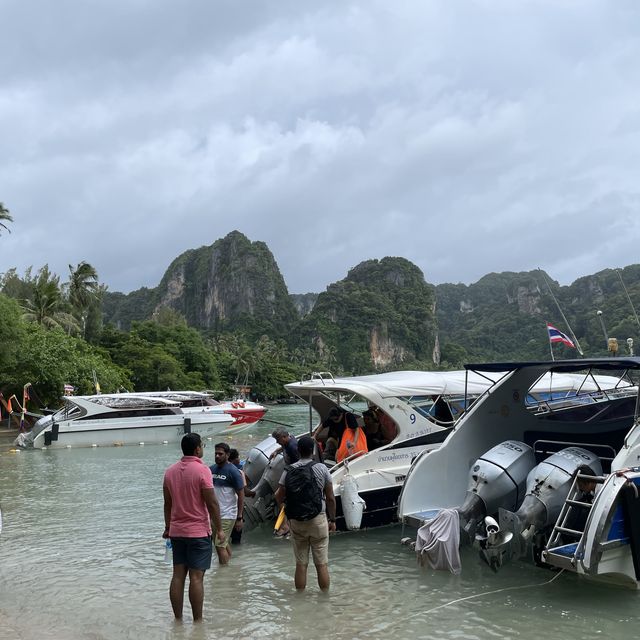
{"x": 306, "y": 490}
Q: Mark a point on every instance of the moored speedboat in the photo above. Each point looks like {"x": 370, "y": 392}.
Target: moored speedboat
{"x": 244, "y": 412}
{"x": 120, "y": 419}
{"x": 421, "y": 409}
{"x": 510, "y": 462}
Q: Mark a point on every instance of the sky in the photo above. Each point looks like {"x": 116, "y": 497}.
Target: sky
{"x": 468, "y": 136}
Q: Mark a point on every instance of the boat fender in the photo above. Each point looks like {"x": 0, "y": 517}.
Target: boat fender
{"x": 352, "y": 504}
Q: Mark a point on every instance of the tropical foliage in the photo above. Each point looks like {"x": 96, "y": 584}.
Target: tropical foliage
{"x": 221, "y": 319}
{"x": 48, "y": 358}
{"x": 5, "y": 217}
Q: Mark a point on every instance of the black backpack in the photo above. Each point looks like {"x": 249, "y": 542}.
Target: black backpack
{"x": 303, "y": 500}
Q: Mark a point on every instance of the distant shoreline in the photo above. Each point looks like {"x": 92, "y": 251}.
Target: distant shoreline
{"x": 7, "y": 436}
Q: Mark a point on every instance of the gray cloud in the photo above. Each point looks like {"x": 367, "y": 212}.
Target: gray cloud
{"x": 468, "y": 137}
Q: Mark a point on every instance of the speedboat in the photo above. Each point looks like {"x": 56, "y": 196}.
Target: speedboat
{"x": 422, "y": 407}
{"x": 122, "y": 419}
{"x": 509, "y": 468}
{"x": 244, "y": 412}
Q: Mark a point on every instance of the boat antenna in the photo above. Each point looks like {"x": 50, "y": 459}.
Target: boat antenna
{"x": 604, "y": 329}
{"x": 619, "y": 271}
{"x": 573, "y": 335}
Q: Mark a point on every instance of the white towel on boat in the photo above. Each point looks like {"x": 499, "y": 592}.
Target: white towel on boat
{"x": 438, "y": 540}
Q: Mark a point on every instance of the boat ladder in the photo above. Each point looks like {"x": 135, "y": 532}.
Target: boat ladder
{"x": 558, "y": 552}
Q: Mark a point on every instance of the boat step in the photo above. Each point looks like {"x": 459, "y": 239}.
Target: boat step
{"x": 417, "y": 519}
{"x": 561, "y": 557}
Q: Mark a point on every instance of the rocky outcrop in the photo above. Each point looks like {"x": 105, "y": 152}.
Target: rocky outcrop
{"x": 381, "y": 316}
{"x": 303, "y": 302}
{"x": 234, "y": 284}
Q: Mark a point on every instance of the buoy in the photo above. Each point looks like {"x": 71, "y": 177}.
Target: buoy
{"x": 352, "y": 504}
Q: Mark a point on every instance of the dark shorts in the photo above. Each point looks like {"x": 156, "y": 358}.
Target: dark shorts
{"x": 194, "y": 552}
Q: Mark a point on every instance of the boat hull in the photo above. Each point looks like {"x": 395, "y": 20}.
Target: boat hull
{"x": 381, "y": 508}
{"x": 130, "y": 431}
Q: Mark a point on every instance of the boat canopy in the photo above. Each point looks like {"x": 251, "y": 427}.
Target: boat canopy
{"x": 400, "y": 384}
{"x": 561, "y": 366}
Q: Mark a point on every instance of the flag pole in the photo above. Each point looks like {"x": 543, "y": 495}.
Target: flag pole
{"x": 550, "y": 346}
{"x": 573, "y": 335}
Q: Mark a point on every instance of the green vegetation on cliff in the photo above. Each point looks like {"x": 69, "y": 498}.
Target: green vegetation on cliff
{"x": 222, "y": 317}
{"x": 379, "y": 317}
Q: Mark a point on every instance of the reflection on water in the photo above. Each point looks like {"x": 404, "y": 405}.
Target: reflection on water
{"x": 81, "y": 557}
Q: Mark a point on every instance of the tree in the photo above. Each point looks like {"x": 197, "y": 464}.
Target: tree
{"x": 45, "y": 305}
{"x": 82, "y": 290}
{"x": 6, "y": 216}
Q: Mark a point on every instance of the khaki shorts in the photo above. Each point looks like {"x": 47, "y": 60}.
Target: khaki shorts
{"x": 312, "y": 533}
{"x": 227, "y": 526}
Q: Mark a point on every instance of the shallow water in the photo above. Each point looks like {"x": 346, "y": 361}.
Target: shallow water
{"x": 81, "y": 557}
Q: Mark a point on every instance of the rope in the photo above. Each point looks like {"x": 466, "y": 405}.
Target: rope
{"x": 282, "y": 424}
{"x": 488, "y": 593}
{"x": 478, "y": 595}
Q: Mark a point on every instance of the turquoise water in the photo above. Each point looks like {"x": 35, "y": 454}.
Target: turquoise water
{"x": 81, "y": 557}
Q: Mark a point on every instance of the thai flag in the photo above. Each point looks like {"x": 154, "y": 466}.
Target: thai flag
{"x": 558, "y": 336}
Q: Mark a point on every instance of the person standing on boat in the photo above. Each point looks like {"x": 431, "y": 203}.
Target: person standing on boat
{"x": 190, "y": 508}
{"x": 228, "y": 485}
{"x": 288, "y": 446}
{"x": 330, "y": 431}
{"x": 306, "y": 490}
{"x": 372, "y": 429}
{"x": 388, "y": 427}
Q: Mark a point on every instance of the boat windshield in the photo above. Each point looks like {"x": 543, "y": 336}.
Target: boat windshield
{"x": 438, "y": 408}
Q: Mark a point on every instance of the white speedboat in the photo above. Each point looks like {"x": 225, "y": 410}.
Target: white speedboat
{"x": 509, "y": 465}
{"x": 244, "y": 412}
{"x": 121, "y": 419}
{"x": 424, "y": 408}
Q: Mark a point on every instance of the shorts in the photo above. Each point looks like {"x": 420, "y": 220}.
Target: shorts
{"x": 227, "y": 527}
{"x": 193, "y": 552}
{"x": 312, "y": 534}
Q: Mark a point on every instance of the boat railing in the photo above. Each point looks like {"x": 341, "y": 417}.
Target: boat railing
{"x": 570, "y": 401}
{"x": 544, "y": 448}
{"x": 318, "y": 376}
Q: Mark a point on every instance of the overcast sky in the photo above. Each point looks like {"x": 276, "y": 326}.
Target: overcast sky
{"x": 466, "y": 136}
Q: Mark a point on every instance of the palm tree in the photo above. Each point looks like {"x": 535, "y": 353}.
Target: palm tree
{"x": 5, "y": 215}
{"x": 44, "y": 306}
{"x": 82, "y": 290}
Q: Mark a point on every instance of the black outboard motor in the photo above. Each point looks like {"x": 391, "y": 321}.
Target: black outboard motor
{"x": 548, "y": 485}
{"x": 496, "y": 480}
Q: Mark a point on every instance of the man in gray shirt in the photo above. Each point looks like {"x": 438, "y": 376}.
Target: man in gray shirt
{"x": 310, "y": 506}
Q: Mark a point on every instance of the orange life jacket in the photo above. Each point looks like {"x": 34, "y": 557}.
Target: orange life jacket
{"x": 357, "y": 438}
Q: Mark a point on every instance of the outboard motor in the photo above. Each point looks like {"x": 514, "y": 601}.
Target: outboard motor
{"x": 25, "y": 439}
{"x": 548, "y": 485}
{"x": 496, "y": 480}
{"x": 258, "y": 459}
{"x": 263, "y": 475}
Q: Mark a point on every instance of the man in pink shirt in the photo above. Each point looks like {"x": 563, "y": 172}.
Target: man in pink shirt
{"x": 190, "y": 509}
